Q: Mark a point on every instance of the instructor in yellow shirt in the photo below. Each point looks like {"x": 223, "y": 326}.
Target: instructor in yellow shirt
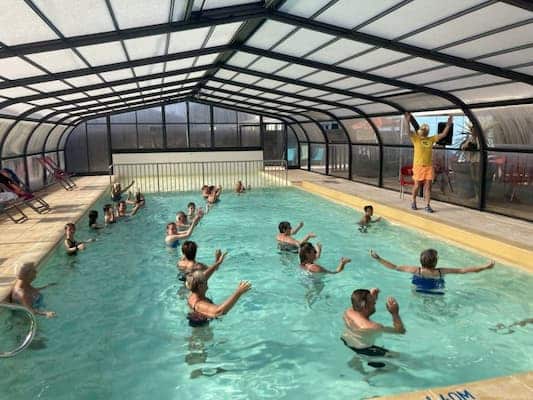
{"x": 423, "y": 173}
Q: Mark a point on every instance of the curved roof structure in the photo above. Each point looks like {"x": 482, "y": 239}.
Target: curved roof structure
{"x": 65, "y": 60}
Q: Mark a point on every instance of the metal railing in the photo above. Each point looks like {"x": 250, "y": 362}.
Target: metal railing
{"x": 31, "y": 333}
{"x": 191, "y": 176}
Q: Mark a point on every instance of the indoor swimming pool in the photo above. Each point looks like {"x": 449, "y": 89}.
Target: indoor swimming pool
{"x": 121, "y": 330}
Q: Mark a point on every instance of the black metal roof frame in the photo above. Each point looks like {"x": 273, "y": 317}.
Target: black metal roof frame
{"x": 252, "y": 16}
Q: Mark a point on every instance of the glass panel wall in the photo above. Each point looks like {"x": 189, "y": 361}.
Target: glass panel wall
{"x": 359, "y": 130}
{"x": 339, "y": 160}
{"x": 304, "y": 155}
{"x": 317, "y": 157}
{"x": 292, "y": 148}
{"x": 365, "y": 164}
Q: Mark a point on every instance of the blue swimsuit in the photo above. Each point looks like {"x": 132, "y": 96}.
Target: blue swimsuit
{"x": 428, "y": 285}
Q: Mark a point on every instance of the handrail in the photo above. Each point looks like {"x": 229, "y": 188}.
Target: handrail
{"x": 157, "y": 177}
{"x": 29, "y": 336}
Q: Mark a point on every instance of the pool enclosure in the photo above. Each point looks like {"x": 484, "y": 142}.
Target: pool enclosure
{"x": 321, "y": 83}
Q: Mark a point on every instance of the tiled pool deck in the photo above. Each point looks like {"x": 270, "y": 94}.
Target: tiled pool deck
{"x": 496, "y": 236}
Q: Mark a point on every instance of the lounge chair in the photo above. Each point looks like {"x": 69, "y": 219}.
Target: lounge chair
{"x": 12, "y": 183}
{"x": 8, "y": 203}
{"x": 60, "y": 176}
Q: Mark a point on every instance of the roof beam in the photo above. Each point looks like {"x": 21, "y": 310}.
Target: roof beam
{"x": 227, "y": 15}
{"x": 525, "y": 4}
{"x": 399, "y": 47}
{"x": 314, "y": 86}
{"x": 283, "y": 93}
{"x": 111, "y": 67}
{"x": 81, "y": 89}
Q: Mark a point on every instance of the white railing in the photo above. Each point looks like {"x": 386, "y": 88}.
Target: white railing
{"x": 190, "y": 176}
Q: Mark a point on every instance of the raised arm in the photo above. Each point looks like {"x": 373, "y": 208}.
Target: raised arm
{"x": 390, "y": 265}
{"x": 306, "y": 238}
{"x": 219, "y": 259}
{"x": 394, "y": 308}
{"x": 127, "y": 187}
{"x": 214, "y": 310}
{"x": 446, "y": 130}
{"x": 407, "y": 124}
{"x": 298, "y": 227}
{"x": 467, "y": 270}
{"x": 342, "y": 263}
{"x": 188, "y": 232}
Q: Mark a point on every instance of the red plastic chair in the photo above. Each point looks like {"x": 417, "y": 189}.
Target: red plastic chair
{"x": 406, "y": 178}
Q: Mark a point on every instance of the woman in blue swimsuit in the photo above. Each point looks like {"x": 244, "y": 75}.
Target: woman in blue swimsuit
{"x": 25, "y": 294}
{"x": 429, "y": 279}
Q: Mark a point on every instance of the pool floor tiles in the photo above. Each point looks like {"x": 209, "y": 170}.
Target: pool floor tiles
{"x": 33, "y": 239}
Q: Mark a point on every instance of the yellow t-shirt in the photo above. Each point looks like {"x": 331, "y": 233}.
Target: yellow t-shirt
{"x": 423, "y": 150}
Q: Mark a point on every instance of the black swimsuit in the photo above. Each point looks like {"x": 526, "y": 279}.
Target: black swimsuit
{"x": 195, "y": 318}
{"x": 72, "y": 244}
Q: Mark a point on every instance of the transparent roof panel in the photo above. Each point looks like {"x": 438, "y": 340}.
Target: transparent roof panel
{"x": 222, "y": 34}
{"x": 18, "y": 91}
{"x": 268, "y": 65}
{"x": 187, "y": 40}
{"x": 132, "y": 13}
{"x": 495, "y": 93}
{"x": 464, "y": 83}
{"x": 149, "y": 69}
{"x": 16, "y": 109}
{"x": 338, "y": 50}
{"x": 242, "y": 59}
{"x": 16, "y": 68}
{"x": 269, "y": 34}
{"x": 342, "y": 12}
{"x": 224, "y": 3}
{"x": 50, "y": 86}
{"x": 84, "y": 80}
{"x": 148, "y": 46}
{"x": 303, "y": 9}
{"x": 17, "y": 33}
{"x": 393, "y": 25}
{"x": 485, "y": 19}
{"x": 510, "y": 59}
{"x": 179, "y": 64}
{"x": 117, "y": 74}
{"x": 373, "y": 59}
{"x": 58, "y": 61}
{"x": 413, "y": 65}
{"x": 302, "y": 42}
{"x": 420, "y": 101}
{"x": 295, "y": 71}
{"x": 103, "y": 54}
{"x": 507, "y": 39}
{"x": 313, "y": 132}
{"x": 323, "y": 77}
{"x": 65, "y": 15}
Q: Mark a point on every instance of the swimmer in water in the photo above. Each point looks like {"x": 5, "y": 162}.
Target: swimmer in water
{"x": 25, "y": 294}
{"x": 285, "y": 240}
{"x": 429, "y": 279}
{"x": 173, "y": 237}
{"x": 188, "y": 264}
{"x": 360, "y": 331}
{"x": 366, "y": 219}
{"x": 309, "y": 254}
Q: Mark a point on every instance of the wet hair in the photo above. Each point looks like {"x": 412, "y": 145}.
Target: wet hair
{"x": 170, "y": 224}
{"x": 191, "y": 204}
{"x": 93, "y": 216}
{"x": 24, "y": 269}
{"x": 107, "y": 207}
{"x": 283, "y": 226}
{"x": 188, "y": 248}
{"x": 360, "y": 298}
{"x": 204, "y": 187}
{"x": 211, "y": 188}
{"x": 195, "y": 281}
{"x": 367, "y": 208}
{"x": 429, "y": 258}
{"x": 122, "y": 202}
{"x": 306, "y": 249}
{"x": 70, "y": 225}
{"x": 181, "y": 214}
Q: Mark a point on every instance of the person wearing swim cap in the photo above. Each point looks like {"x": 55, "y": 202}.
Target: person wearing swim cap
{"x": 361, "y": 332}
{"x": 423, "y": 172}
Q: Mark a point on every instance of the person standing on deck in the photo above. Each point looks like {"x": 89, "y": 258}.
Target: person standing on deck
{"x": 423, "y": 172}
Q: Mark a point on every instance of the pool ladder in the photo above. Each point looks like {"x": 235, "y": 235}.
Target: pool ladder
{"x": 29, "y": 337}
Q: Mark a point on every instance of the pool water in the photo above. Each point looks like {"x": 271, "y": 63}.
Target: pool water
{"x": 121, "y": 331}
